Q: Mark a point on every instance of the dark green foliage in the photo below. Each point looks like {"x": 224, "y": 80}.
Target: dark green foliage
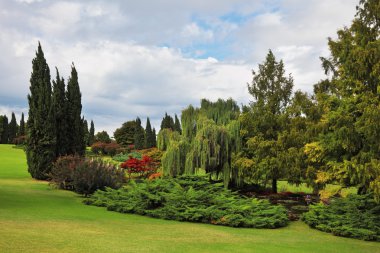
{"x": 102, "y": 137}
{"x": 4, "y": 129}
{"x": 91, "y": 135}
{"x": 86, "y": 133}
{"x": 125, "y": 135}
{"x": 21, "y": 130}
{"x": 177, "y": 124}
{"x": 75, "y": 124}
{"x": 265, "y": 125}
{"x": 12, "y": 129}
{"x": 139, "y": 135}
{"x": 150, "y": 137}
{"x": 194, "y": 199}
{"x": 85, "y": 176}
{"x": 155, "y": 137}
{"x": 60, "y": 107}
{"x": 357, "y": 216}
{"x": 41, "y": 141}
{"x": 167, "y": 122}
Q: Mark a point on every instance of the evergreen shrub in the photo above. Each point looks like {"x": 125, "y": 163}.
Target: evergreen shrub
{"x": 357, "y": 216}
{"x": 191, "y": 198}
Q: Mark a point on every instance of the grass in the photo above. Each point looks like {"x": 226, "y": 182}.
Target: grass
{"x": 37, "y": 218}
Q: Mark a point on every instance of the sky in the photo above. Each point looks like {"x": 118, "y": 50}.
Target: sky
{"x": 144, "y": 58}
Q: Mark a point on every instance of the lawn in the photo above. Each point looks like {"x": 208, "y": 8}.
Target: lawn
{"x": 35, "y": 217}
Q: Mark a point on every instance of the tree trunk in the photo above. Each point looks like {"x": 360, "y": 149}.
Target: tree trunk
{"x": 274, "y": 185}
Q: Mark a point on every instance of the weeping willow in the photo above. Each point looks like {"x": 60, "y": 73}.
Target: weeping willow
{"x": 211, "y": 135}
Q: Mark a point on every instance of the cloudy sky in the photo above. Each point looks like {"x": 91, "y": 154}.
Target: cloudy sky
{"x": 144, "y": 58}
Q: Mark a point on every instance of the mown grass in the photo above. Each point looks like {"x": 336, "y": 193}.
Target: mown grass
{"x": 35, "y": 217}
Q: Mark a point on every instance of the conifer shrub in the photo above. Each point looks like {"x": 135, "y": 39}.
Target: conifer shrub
{"x": 85, "y": 176}
{"x": 191, "y": 198}
{"x": 356, "y": 216}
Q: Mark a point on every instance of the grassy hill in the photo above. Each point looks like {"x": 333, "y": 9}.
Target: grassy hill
{"x": 34, "y": 217}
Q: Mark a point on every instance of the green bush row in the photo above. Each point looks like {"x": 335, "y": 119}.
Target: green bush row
{"x": 357, "y": 216}
{"x": 191, "y": 198}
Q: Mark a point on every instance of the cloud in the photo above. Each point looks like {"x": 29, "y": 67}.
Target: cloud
{"x": 145, "y": 58}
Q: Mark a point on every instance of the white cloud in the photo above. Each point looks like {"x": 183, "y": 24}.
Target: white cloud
{"x": 131, "y": 58}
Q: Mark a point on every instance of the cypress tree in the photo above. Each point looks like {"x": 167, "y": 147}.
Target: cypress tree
{"x": 40, "y": 149}
{"x": 139, "y": 135}
{"x": 177, "y": 125}
{"x": 167, "y": 122}
{"x": 91, "y": 135}
{"x": 12, "y": 128}
{"x": 21, "y": 131}
{"x": 59, "y": 105}
{"x": 86, "y": 132}
{"x": 4, "y": 129}
{"x": 75, "y": 124}
{"x": 154, "y": 137}
{"x": 149, "y": 137}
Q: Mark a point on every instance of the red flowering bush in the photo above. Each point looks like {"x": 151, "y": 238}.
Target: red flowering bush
{"x": 143, "y": 167}
{"x": 106, "y": 148}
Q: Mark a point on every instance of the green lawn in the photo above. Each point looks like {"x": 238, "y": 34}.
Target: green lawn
{"x": 37, "y": 218}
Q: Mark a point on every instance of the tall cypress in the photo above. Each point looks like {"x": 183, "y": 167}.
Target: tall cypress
{"x": 177, "y": 125}
{"x": 59, "y": 105}
{"x": 21, "y": 130}
{"x": 139, "y": 135}
{"x": 154, "y": 138}
{"x": 86, "y": 133}
{"x": 40, "y": 149}
{"x": 3, "y": 129}
{"x": 74, "y": 109}
{"x": 149, "y": 135}
{"x": 12, "y": 129}
{"x": 91, "y": 135}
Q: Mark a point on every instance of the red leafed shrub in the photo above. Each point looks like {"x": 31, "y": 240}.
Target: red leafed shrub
{"x": 143, "y": 167}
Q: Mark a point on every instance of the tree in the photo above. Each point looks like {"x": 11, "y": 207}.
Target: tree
{"x": 102, "y": 137}
{"x": 41, "y": 141}
{"x": 150, "y": 137}
{"x": 155, "y": 137}
{"x": 60, "y": 106}
{"x": 207, "y": 143}
{"x": 91, "y": 135}
{"x": 125, "y": 135}
{"x": 12, "y": 129}
{"x": 75, "y": 124}
{"x": 21, "y": 131}
{"x": 177, "y": 125}
{"x": 350, "y": 141}
{"x": 167, "y": 122}
{"x": 139, "y": 135}
{"x": 4, "y": 129}
{"x": 86, "y": 132}
{"x": 272, "y": 91}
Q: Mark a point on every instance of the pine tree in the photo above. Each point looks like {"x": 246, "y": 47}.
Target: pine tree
{"x": 149, "y": 135}
{"x": 272, "y": 91}
{"x": 21, "y": 131}
{"x": 12, "y": 129}
{"x": 139, "y": 135}
{"x": 40, "y": 149}
{"x": 75, "y": 124}
{"x": 60, "y": 105}
{"x": 177, "y": 125}
{"x": 3, "y": 129}
{"x": 91, "y": 136}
